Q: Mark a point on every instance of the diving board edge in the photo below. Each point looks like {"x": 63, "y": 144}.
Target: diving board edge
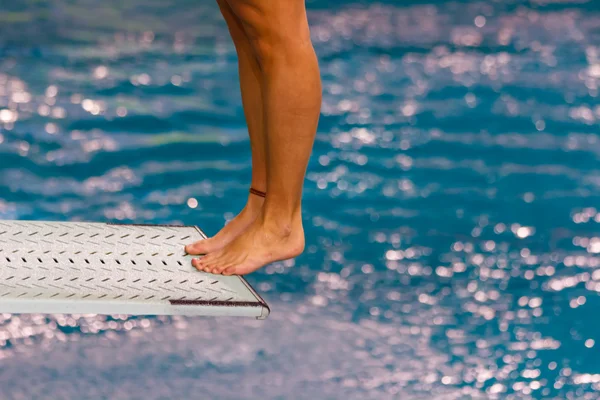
{"x": 31, "y": 306}
{"x": 265, "y": 307}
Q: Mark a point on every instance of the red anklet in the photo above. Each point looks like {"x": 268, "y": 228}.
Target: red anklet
{"x": 258, "y": 192}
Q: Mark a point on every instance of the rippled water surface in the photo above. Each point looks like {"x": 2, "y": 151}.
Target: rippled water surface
{"x": 451, "y": 205}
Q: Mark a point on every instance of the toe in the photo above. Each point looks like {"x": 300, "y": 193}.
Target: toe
{"x": 218, "y": 264}
{"x": 207, "y": 259}
{"x": 206, "y": 263}
{"x": 197, "y": 263}
{"x": 200, "y": 247}
{"x": 214, "y": 269}
{"x": 218, "y": 270}
{"x": 191, "y": 248}
{"x": 202, "y": 268}
{"x": 229, "y": 271}
{"x": 209, "y": 266}
{"x": 223, "y": 267}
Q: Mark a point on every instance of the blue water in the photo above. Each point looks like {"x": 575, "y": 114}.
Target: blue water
{"x": 451, "y": 205}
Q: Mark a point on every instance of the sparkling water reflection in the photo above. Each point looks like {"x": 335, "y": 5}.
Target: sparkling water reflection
{"x": 451, "y": 204}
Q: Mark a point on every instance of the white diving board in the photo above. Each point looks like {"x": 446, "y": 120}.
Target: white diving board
{"x": 98, "y": 268}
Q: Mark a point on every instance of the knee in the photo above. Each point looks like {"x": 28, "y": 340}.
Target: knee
{"x": 265, "y": 40}
{"x": 271, "y": 44}
{"x": 265, "y": 45}
{"x": 270, "y": 40}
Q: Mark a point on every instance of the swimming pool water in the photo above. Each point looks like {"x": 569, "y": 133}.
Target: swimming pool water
{"x": 451, "y": 205}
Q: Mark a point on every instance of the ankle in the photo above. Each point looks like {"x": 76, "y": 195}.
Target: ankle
{"x": 254, "y": 204}
{"x": 282, "y": 226}
{"x": 289, "y": 232}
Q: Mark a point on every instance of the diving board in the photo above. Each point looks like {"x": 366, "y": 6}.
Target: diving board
{"x": 99, "y": 268}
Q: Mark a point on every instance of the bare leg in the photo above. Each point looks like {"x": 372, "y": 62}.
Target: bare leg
{"x": 251, "y": 87}
{"x": 291, "y": 87}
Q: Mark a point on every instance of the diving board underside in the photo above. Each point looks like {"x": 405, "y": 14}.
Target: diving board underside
{"x": 97, "y": 268}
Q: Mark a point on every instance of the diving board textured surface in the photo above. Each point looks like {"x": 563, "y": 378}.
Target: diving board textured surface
{"x": 97, "y": 268}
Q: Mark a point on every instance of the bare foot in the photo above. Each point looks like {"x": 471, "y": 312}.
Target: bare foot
{"x": 230, "y": 231}
{"x": 262, "y": 243}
